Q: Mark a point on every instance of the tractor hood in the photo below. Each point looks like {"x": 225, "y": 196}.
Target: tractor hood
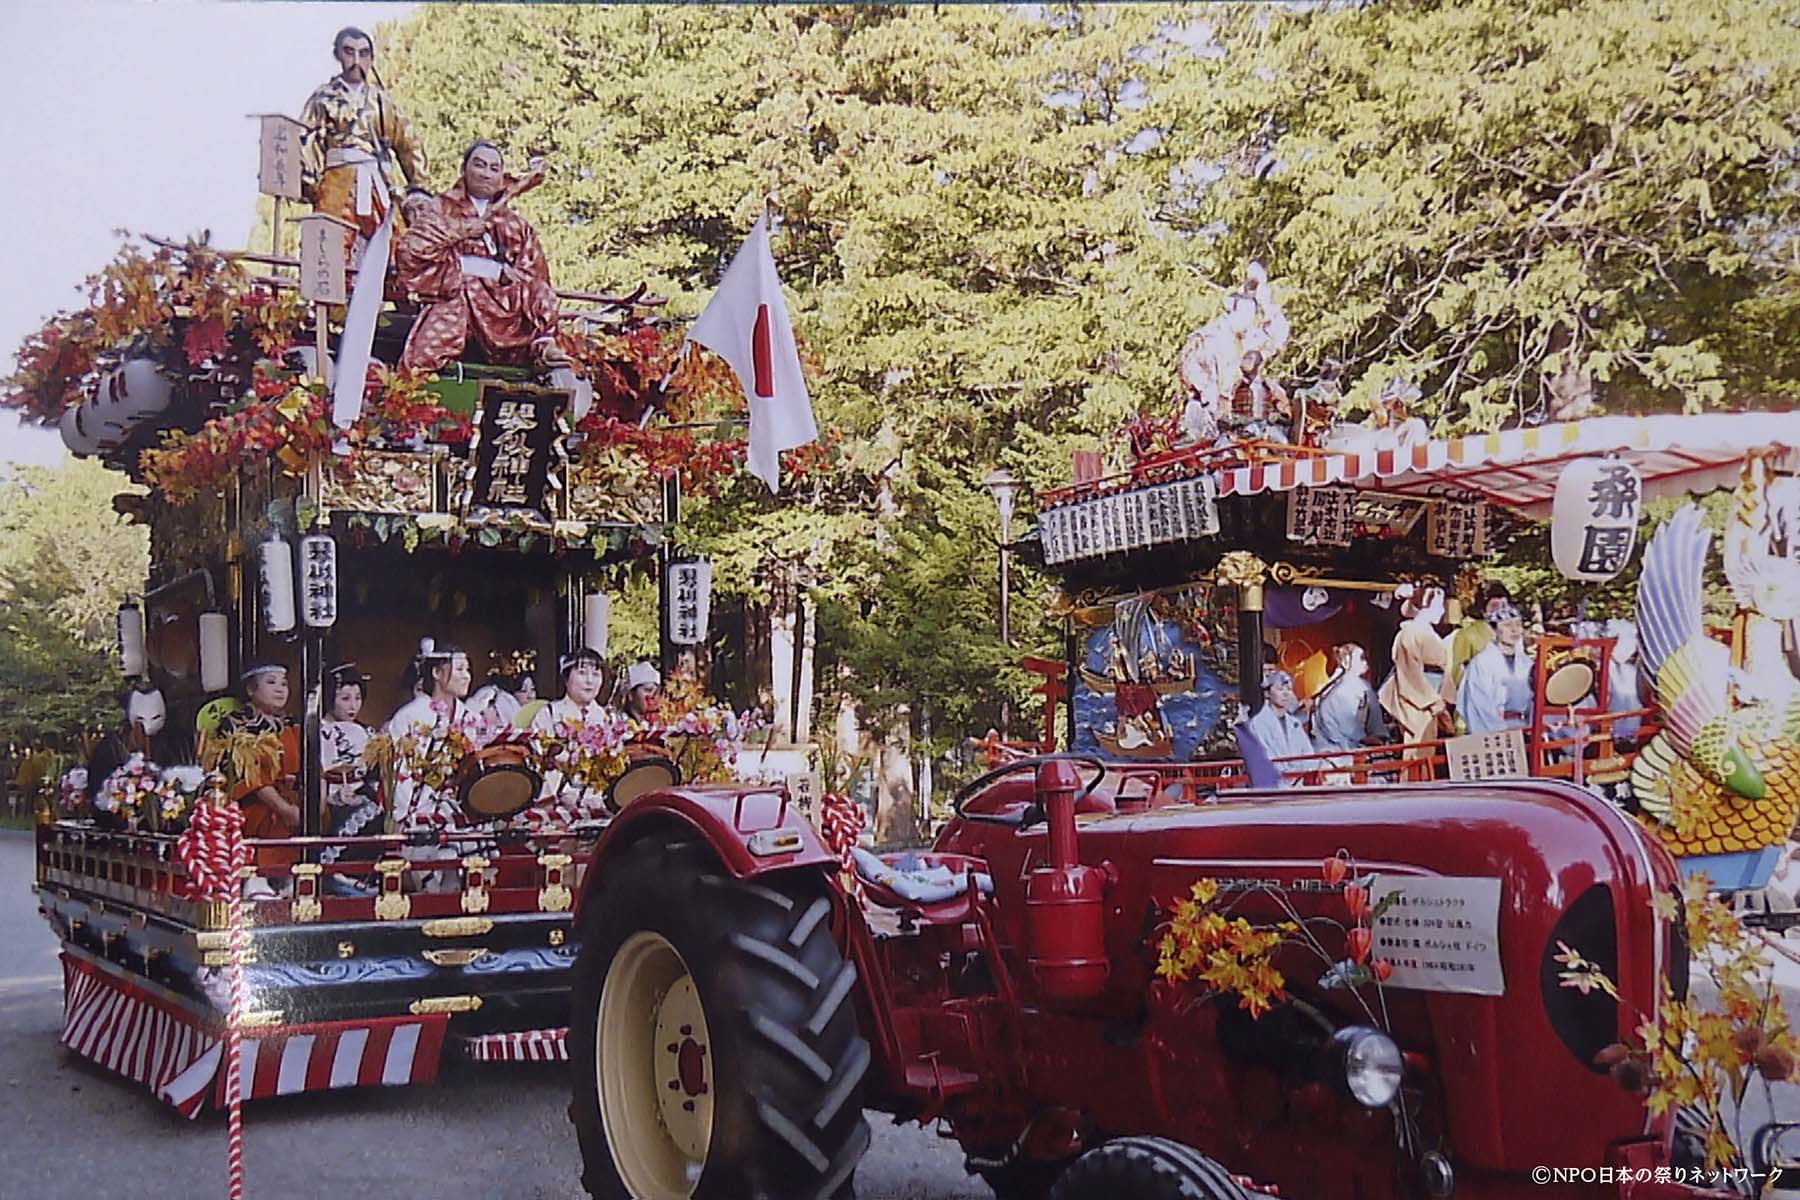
{"x": 1534, "y": 862}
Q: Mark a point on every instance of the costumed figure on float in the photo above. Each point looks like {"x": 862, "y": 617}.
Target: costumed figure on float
{"x": 1280, "y": 729}
{"x": 431, "y": 733}
{"x": 1346, "y": 712}
{"x": 348, "y": 751}
{"x": 510, "y": 688}
{"x": 580, "y": 740}
{"x": 357, "y": 142}
{"x": 478, "y": 270}
{"x": 1412, "y": 694}
{"x": 1496, "y": 693}
{"x": 1216, "y": 362}
{"x": 258, "y": 750}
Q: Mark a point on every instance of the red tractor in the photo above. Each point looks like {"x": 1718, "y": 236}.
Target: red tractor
{"x": 735, "y": 1008}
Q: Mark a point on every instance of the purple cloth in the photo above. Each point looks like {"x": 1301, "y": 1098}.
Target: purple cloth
{"x": 1282, "y": 608}
{"x": 1263, "y": 773}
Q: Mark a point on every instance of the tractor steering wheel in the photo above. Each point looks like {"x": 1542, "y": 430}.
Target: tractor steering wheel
{"x": 969, "y": 790}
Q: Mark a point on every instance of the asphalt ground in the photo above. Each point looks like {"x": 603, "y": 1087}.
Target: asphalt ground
{"x": 70, "y": 1131}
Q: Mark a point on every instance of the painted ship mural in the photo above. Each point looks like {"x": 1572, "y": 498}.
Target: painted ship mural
{"x": 1142, "y": 690}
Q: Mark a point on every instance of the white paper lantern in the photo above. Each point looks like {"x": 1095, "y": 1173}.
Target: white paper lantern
{"x": 75, "y": 435}
{"x": 1594, "y": 518}
{"x": 596, "y": 622}
{"x": 277, "y": 585}
{"x": 131, "y": 639}
{"x": 690, "y": 602}
{"x": 215, "y": 651}
{"x": 318, "y": 580}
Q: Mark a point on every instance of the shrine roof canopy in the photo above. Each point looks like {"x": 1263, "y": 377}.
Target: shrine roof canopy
{"x": 1516, "y": 469}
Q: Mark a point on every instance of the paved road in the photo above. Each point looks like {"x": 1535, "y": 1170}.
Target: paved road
{"x": 69, "y": 1131}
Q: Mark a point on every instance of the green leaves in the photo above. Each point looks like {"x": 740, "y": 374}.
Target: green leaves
{"x": 998, "y": 226}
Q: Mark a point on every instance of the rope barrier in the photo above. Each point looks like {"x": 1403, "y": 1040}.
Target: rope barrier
{"x": 841, "y": 824}
{"x": 212, "y": 851}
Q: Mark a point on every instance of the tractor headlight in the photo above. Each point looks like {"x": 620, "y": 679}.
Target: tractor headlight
{"x": 1371, "y": 1064}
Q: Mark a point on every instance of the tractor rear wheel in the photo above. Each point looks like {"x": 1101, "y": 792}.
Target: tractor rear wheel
{"x": 714, "y": 1045}
{"x": 1146, "y": 1168}
{"x": 1022, "y": 1179}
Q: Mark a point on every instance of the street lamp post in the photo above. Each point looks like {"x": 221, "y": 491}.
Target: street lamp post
{"x": 1005, "y": 489}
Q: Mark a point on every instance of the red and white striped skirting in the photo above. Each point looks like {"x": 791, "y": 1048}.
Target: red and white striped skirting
{"x": 531, "y": 1045}
{"x": 127, "y": 1029}
{"x": 177, "y": 1053}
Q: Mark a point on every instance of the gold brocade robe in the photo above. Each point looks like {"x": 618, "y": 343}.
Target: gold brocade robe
{"x": 337, "y": 119}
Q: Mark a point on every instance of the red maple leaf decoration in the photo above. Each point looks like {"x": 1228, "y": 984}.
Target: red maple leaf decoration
{"x": 204, "y": 340}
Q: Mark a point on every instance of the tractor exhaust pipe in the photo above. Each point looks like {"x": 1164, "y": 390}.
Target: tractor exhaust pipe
{"x": 1065, "y": 913}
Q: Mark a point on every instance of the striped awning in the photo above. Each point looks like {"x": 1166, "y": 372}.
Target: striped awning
{"x": 1518, "y": 469}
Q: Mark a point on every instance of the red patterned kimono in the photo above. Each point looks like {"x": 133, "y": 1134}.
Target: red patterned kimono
{"x": 442, "y": 260}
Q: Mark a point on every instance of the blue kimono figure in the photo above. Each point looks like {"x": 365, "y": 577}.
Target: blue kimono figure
{"x": 1346, "y": 712}
{"x": 1497, "y": 692}
{"x": 1279, "y": 729}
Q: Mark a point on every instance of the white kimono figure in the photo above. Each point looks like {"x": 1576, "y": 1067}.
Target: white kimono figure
{"x": 577, "y": 803}
{"x": 426, "y": 720}
{"x": 353, "y": 811}
{"x": 1346, "y": 712}
{"x": 1280, "y": 730}
{"x": 1496, "y": 692}
{"x": 583, "y": 679}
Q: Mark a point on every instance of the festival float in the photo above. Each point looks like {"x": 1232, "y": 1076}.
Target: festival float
{"x": 1197, "y": 954}
{"x": 363, "y": 486}
{"x": 1221, "y": 550}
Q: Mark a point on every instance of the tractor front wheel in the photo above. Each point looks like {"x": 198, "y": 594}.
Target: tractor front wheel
{"x": 1146, "y": 1168}
{"x": 714, "y": 1045}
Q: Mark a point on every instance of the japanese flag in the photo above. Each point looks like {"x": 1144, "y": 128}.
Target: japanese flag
{"x": 746, "y": 324}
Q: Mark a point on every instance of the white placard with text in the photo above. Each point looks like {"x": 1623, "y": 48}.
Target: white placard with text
{"x": 1441, "y": 933}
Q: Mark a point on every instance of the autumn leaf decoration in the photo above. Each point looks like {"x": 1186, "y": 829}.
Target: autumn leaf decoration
{"x": 1207, "y": 950}
{"x": 1693, "y": 1055}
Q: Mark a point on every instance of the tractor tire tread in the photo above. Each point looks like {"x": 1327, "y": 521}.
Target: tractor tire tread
{"x": 774, "y": 980}
{"x": 1146, "y": 1168}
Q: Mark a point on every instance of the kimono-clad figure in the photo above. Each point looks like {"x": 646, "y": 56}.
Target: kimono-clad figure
{"x": 583, "y": 681}
{"x": 643, "y": 693}
{"x": 1624, "y": 690}
{"x": 479, "y": 270}
{"x": 269, "y": 791}
{"x": 1411, "y": 694}
{"x": 440, "y": 678}
{"x": 1346, "y": 712}
{"x": 1473, "y": 635}
{"x": 509, "y": 687}
{"x": 142, "y": 732}
{"x": 1496, "y": 692}
{"x": 1280, "y": 729}
{"x": 356, "y": 137}
{"x": 352, "y": 797}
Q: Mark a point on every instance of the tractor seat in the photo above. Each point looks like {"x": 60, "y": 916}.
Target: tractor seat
{"x": 931, "y": 885}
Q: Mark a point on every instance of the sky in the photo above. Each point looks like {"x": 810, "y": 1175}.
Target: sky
{"x": 134, "y": 115}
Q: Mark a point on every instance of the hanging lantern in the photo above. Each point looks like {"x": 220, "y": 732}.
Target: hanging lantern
{"x": 75, "y": 435}
{"x": 131, "y": 639}
{"x": 596, "y": 622}
{"x": 215, "y": 651}
{"x": 277, "y": 585}
{"x": 319, "y": 580}
{"x": 690, "y": 601}
{"x": 1594, "y": 518}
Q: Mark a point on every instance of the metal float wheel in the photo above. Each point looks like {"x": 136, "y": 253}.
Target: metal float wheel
{"x": 653, "y": 1069}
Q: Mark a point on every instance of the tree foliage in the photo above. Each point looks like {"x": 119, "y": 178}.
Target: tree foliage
{"x": 66, "y": 563}
{"x": 998, "y": 225}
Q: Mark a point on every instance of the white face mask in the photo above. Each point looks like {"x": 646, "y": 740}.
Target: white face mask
{"x": 149, "y": 710}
